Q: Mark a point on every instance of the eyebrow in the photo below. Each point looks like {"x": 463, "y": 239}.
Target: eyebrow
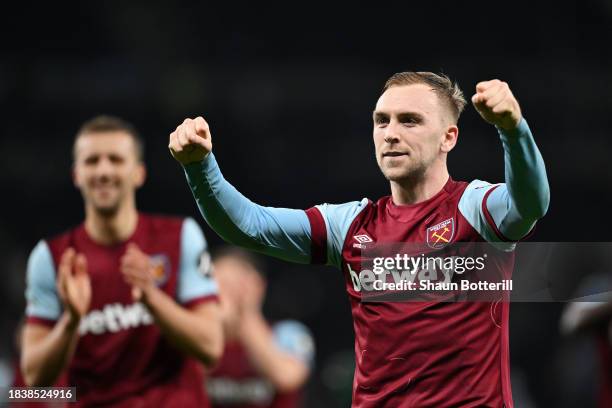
{"x": 401, "y": 115}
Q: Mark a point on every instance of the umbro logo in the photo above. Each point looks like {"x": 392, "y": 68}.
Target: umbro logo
{"x": 362, "y": 238}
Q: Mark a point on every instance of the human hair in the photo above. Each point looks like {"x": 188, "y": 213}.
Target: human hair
{"x": 109, "y": 123}
{"x": 240, "y": 254}
{"x": 447, "y": 90}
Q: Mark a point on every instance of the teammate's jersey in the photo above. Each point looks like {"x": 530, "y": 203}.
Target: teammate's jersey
{"x": 235, "y": 383}
{"x": 121, "y": 358}
{"x": 605, "y": 360}
{"x": 419, "y": 354}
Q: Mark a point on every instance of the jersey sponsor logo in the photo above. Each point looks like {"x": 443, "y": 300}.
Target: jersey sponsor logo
{"x": 224, "y": 390}
{"x": 441, "y": 234}
{"x": 114, "y": 318}
{"x": 437, "y": 270}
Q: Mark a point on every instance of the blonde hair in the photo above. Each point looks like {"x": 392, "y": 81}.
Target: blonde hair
{"x": 447, "y": 90}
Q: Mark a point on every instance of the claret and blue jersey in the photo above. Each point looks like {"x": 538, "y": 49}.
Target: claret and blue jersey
{"x": 121, "y": 356}
{"x": 407, "y": 353}
{"x": 236, "y": 383}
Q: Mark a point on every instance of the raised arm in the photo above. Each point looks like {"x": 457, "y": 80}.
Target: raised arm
{"x": 280, "y": 232}
{"x": 513, "y": 207}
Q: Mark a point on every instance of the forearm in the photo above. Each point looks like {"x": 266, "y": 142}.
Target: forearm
{"x": 279, "y": 232}
{"x": 192, "y": 333}
{"x": 517, "y": 205}
{"x": 46, "y": 354}
{"x": 281, "y": 369}
{"x": 525, "y": 173}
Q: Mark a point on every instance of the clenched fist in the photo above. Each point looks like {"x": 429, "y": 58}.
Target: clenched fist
{"x": 496, "y": 104}
{"x": 191, "y": 141}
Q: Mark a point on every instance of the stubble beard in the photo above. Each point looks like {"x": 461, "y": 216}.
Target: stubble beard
{"x": 408, "y": 174}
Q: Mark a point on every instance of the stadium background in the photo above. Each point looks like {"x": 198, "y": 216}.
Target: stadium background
{"x": 288, "y": 91}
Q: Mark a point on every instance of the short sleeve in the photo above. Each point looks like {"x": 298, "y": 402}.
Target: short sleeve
{"x": 195, "y": 282}
{"x": 295, "y": 339}
{"x": 43, "y": 304}
{"x": 329, "y": 224}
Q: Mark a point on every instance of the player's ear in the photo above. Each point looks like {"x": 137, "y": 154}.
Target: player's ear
{"x": 262, "y": 286}
{"x": 140, "y": 175}
{"x": 75, "y": 176}
{"x": 450, "y": 138}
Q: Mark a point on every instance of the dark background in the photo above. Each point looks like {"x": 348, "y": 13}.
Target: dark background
{"x": 288, "y": 91}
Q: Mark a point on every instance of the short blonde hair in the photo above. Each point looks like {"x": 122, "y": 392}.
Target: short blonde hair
{"x": 447, "y": 90}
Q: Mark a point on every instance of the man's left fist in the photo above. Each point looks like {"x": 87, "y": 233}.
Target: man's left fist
{"x": 496, "y": 104}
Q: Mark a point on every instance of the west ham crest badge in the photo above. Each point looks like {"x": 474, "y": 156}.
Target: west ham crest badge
{"x": 441, "y": 234}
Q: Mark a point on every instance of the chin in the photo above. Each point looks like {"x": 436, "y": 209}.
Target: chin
{"x": 402, "y": 174}
{"x": 107, "y": 210}
{"x": 397, "y": 174}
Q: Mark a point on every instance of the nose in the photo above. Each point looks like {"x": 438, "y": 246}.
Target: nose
{"x": 391, "y": 134}
{"x": 104, "y": 167}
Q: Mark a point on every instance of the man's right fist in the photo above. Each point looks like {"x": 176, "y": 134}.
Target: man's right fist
{"x": 191, "y": 141}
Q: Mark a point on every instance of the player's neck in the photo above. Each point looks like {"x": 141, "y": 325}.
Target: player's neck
{"x": 230, "y": 333}
{"x": 111, "y": 229}
{"x": 419, "y": 189}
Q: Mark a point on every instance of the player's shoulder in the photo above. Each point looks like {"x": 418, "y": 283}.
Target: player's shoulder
{"x": 349, "y": 205}
{"x": 295, "y": 338}
{"x": 476, "y": 190}
{"x": 56, "y": 243}
{"x": 344, "y": 211}
{"x": 478, "y": 184}
{"x": 164, "y": 222}
{"x": 343, "y": 214}
{"x": 289, "y": 326}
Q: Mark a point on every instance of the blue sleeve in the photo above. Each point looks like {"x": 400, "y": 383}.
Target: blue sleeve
{"x": 506, "y": 212}
{"x": 295, "y": 339}
{"x": 338, "y": 219}
{"x": 195, "y": 280}
{"x": 41, "y": 293}
{"x": 280, "y": 232}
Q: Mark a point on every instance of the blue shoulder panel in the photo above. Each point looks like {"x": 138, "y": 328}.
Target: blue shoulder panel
{"x": 338, "y": 219}
{"x": 294, "y": 338}
{"x": 41, "y": 292}
{"x": 194, "y": 280}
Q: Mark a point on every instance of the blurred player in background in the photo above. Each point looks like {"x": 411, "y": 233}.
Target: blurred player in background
{"x": 408, "y": 354}
{"x": 263, "y": 365}
{"x": 594, "y": 318}
{"x": 120, "y": 302}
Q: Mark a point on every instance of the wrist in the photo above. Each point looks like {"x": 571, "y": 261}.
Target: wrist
{"x": 150, "y": 295}
{"x": 197, "y": 163}
{"x": 71, "y": 321}
{"x": 514, "y": 133}
{"x": 249, "y": 320}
